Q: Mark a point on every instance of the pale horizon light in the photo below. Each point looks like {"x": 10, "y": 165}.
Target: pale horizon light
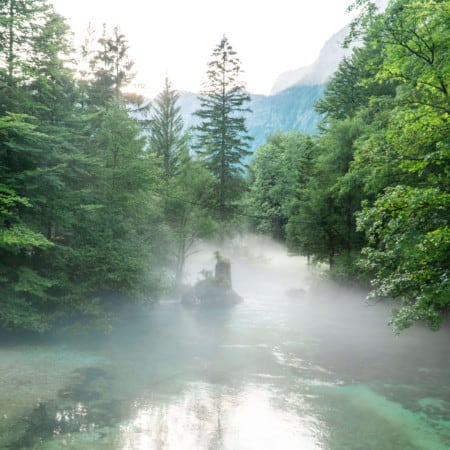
{"x": 175, "y": 38}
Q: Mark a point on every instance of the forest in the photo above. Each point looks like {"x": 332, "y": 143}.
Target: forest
{"x": 104, "y": 195}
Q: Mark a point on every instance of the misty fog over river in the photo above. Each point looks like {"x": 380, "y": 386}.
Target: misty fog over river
{"x": 301, "y": 363}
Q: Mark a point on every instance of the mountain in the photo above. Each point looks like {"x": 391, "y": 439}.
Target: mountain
{"x": 290, "y": 109}
{"x": 291, "y": 103}
{"x": 320, "y": 71}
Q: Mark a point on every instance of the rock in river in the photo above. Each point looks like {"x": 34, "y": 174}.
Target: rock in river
{"x": 213, "y": 290}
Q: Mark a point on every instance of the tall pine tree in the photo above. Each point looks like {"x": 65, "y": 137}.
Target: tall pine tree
{"x": 167, "y": 138}
{"x": 111, "y": 70}
{"x": 223, "y": 139}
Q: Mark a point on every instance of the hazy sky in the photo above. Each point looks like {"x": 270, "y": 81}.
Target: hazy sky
{"x": 176, "y": 37}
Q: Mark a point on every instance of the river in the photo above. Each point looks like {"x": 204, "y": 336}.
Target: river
{"x": 301, "y": 364}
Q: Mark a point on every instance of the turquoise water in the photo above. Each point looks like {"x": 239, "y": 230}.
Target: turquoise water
{"x": 300, "y": 364}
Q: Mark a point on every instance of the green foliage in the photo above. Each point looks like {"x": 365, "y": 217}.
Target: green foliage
{"x": 187, "y": 198}
{"x": 118, "y": 148}
{"x": 20, "y": 21}
{"x": 18, "y": 314}
{"x": 167, "y": 138}
{"x": 343, "y": 94}
{"x": 416, "y": 37}
{"x": 187, "y": 187}
{"x": 24, "y": 287}
{"x": 20, "y": 238}
{"x": 79, "y": 223}
{"x": 409, "y": 252}
{"x": 274, "y": 172}
{"x": 114, "y": 238}
{"x": 321, "y": 223}
{"x": 222, "y": 135}
{"x": 355, "y": 85}
{"x": 19, "y": 283}
{"x": 407, "y": 225}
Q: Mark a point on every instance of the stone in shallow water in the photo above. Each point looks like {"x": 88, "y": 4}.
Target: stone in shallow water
{"x": 210, "y": 293}
{"x": 213, "y": 290}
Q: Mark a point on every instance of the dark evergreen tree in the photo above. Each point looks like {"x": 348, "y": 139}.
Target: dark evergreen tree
{"x": 116, "y": 234}
{"x": 23, "y": 285}
{"x": 167, "y": 138}
{"x": 78, "y": 222}
{"x": 186, "y": 189}
{"x": 111, "y": 69}
{"x": 36, "y": 111}
{"x": 223, "y": 139}
{"x": 20, "y": 22}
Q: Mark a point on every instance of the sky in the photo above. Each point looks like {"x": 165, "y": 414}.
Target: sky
{"x": 175, "y": 38}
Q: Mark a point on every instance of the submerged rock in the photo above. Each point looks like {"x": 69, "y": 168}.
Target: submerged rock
{"x": 213, "y": 290}
{"x": 89, "y": 384}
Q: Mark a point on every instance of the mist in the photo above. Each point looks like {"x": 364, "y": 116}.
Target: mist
{"x": 301, "y": 362}
{"x": 351, "y": 332}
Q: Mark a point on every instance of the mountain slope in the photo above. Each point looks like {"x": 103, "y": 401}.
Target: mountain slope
{"x": 321, "y": 70}
{"x": 291, "y": 103}
{"x": 290, "y": 109}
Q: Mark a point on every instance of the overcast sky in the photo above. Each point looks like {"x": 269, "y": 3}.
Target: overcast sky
{"x": 176, "y": 37}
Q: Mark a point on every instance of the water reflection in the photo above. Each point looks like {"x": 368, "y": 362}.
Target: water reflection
{"x": 208, "y": 417}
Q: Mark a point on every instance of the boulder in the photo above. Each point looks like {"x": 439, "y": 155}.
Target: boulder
{"x": 213, "y": 290}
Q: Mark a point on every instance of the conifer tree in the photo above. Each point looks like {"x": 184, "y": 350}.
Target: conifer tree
{"x": 167, "y": 138}
{"x": 111, "y": 69}
{"x": 20, "y": 22}
{"x": 223, "y": 139}
{"x": 36, "y": 90}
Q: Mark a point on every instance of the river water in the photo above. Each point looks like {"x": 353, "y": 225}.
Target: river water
{"x": 300, "y": 364}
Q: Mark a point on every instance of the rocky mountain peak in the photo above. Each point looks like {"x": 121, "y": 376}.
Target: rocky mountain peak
{"x": 321, "y": 70}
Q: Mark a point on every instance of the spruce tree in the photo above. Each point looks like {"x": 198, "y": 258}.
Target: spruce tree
{"x": 111, "y": 70}
{"x": 36, "y": 160}
{"x": 167, "y": 138}
{"x": 21, "y": 21}
{"x": 222, "y": 136}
